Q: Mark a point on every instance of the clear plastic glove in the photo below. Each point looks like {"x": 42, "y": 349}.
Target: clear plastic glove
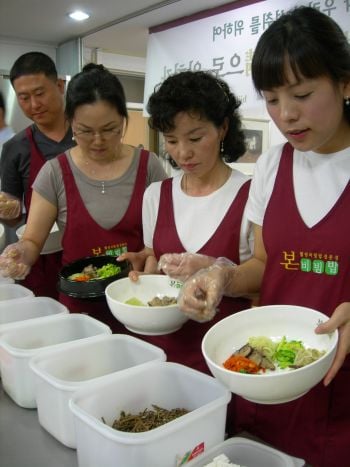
{"x": 10, "y": 206}
{"x": 13, "y": 262}
{"x": 181, "y": 266}
{"x": 201, "y": 294}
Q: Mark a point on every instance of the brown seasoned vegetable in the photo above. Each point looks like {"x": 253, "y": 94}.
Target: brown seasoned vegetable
{"x": 164, "y": 301}
{"x": 146, "y": 420}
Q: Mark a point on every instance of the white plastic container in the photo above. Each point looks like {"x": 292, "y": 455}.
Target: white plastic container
{"x": 247, "y": 453}
{"x": 20, "y": 344}
{"x": 9, "y": 291}
{"x": 6, "y": 280}
{"x": 2, "y": 237}
{"x": 60, "y": 372}
{"x": 14, "y": 312}
{"x": 167, "y": 385}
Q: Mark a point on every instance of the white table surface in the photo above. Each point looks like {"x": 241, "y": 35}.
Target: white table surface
{"x": 24, "y": 443}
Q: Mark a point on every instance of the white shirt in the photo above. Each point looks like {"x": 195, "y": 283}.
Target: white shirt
{"x": 319, "y": 180}
{"x": 197, "y": 217}
{"x": 5, "y": 134}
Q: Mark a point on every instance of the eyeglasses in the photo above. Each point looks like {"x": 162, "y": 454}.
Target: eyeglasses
{"x": 89, "y": 135}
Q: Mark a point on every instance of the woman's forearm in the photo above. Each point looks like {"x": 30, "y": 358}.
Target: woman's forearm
{"x": 245, "y": 279}
{"x": 31, "y": 251}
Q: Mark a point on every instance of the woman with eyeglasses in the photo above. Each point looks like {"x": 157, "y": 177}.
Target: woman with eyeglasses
{"x": 93, "y": 191}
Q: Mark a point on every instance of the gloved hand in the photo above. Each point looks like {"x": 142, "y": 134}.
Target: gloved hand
{"x": 10, "y": 206}
{"x": 181, "y": 266}
{"x": 201, "y": 294}
{"x": 13, "y": 262}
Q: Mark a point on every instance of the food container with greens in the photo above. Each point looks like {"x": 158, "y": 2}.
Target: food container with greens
{"x": 190, "y": 407}
{"x": 88, "y": 277}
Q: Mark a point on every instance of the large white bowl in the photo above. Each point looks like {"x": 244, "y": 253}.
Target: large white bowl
{"x": 274, "y": 321}
{"x": 53, "y": 241}
{"x": 149, "y": 320}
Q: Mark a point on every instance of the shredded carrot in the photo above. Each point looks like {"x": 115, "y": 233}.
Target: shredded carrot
{"x": 241, "y": 364}
{"x": 82, "y": 278}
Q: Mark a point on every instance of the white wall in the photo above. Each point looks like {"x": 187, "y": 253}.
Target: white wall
{"x": 11, "y": 50}
{"x": 224, "y": 42}
{"x": 122, "y": 63}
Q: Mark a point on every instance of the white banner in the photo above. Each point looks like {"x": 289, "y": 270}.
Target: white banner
{"x": 225, "y": 44}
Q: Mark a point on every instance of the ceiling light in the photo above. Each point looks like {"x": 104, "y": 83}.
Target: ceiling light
{"x": 79, "y": 15}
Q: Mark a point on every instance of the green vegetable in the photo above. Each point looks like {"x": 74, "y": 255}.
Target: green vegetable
{"x": 286, "y": 352}
{"x": 108, "y": 270}
{"x": 134, "y": 301}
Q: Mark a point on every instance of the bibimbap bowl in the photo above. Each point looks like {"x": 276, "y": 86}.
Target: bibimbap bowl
{"x": 288, "y": 327}
{"x": 73, "y": 283}
{"x": 129, "y": 301}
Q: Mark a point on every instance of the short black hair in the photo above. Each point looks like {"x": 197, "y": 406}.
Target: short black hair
{"x": 202, "y": 93}
{"x": 33, "y": 63}
{"x": 95, "y": 83}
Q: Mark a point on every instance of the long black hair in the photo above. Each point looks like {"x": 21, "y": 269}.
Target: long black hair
{"x": 311, "y": 42}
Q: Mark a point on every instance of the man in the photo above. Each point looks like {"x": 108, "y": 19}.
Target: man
{"x": 40, "y": 94}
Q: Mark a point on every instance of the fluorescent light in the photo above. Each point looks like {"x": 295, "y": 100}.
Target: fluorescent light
{"x": 79, "y": 15}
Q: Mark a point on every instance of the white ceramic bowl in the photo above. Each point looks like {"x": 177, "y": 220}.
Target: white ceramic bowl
{"x": 275, "y": 321}
{"x": 53, "y": 242}
{"x": 149, "y": 320}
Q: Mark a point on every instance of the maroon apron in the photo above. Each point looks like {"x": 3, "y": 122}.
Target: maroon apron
{"x": 306, "y": 266}
{"x": 43, "y": 276}
{"x": 83, "y": 236}
{"x": 184, "y": 345}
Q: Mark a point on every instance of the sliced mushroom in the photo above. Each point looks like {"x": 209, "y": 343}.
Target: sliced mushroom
{"x": 267, "y": 364}
{"x": 256, "y": 357}
{"x": 244, "y": 351}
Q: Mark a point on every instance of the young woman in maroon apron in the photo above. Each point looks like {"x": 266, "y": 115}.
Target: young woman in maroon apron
{"x": 43, "y": 277}
{"x": 314, "y": 429}
{"x": 304, "y": 76}
{"x": 127, "y": 234}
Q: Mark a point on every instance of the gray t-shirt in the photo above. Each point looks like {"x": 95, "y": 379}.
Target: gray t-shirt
{"x": 15, "y": 158}
{"x": 107, "y": 208}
